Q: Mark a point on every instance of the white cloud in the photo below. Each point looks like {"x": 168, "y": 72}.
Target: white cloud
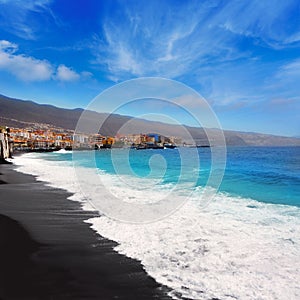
{"x": 191, "y": 101}
{"x": 64, "y": 73}
{"x": 291, "y": 69}
{"x": 293, "y": 38}
{"x": 168, "y": 44}
{"x": 23, "y": 67}
{"x": 28, "y": 68}
{"x": 284, "y": 81}
{"x": 8, "y": 46}
{"x": 286, "y": 77}
{"x": 16, "y": 16}
{"x": 123, "y": 55}
{"x": 265, "y": 21}
{"x": 154, "y": 40}
{"x": 124, "y": 61}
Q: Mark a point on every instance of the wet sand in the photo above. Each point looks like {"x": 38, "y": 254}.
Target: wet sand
{"x": 48, "y": 252}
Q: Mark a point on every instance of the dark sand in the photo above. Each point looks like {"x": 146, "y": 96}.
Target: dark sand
{"x": 48, "y": 252}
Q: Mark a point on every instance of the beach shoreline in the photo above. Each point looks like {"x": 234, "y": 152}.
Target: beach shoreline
{"x": 49, "y": 252}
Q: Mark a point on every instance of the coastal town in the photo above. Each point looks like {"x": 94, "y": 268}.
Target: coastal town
{"x": 26, "y": 139}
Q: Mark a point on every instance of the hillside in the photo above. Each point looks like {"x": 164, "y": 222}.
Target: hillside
{"x": 20, "y": 113}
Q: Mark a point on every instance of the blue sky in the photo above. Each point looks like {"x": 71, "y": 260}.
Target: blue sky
{"x": 242, "y": 56}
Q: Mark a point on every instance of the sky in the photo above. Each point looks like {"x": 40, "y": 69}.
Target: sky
{"x": 243, "y": 57}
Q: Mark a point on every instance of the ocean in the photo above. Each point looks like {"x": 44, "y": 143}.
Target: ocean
{"x": 244, "y": 243}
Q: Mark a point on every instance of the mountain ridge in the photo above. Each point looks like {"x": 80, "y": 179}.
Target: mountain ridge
{"x": 19, "y": 113}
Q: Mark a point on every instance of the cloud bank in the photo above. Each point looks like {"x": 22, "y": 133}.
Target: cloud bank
{"x": 27, "y": 68}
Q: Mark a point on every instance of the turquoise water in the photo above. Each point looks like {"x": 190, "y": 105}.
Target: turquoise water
{"x": 236, "y": 247}
{"x": 266, "y": 174}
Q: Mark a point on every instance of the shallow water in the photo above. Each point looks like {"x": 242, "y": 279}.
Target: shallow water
{"x": 244, "y": 245}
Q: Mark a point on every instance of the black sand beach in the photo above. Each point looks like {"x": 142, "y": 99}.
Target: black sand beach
{"x": 48, "y": 252}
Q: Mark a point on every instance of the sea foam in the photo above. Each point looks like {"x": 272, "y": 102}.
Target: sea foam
{"x": 235, "y": 248}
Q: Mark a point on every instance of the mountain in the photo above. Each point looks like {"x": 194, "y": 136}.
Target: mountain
{"x": 22, "y": 114}
{"x": 31, "y": 112}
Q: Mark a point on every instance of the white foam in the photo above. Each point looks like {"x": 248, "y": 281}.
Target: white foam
{"x": 233, "y": 249}
{"x": 63, "y": 151}
{"x": 58, "y": 174}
